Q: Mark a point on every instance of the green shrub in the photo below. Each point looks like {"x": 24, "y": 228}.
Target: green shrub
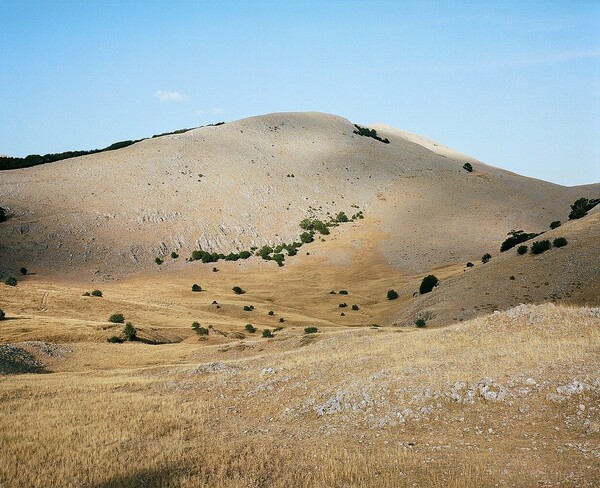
{"x": 278, "y": 258}
{"x": 311, "y": 330}
{"x": 198, "y": 329}
{"x": 581, "y": 207}
{"x": 2, "y": 214}
{"x": 281, "y": 320}
{"x": 2, "y": 314}
{"x": 11, "y": 281}
{"x": 539, "y": 247}
{"x": 366, "y": 132}
{"x": 158, "y": 261}
{"x": 468, "y": 167}
{"x": 248, "y": 308}
{"x": 392, "y": 295}
{"x": 420, "y": 322}
{"x": 114, "y": 340}
{"x": 559, "y": 242}
{"x": 85, "y": 294}
{"x": 354, "y": 307}
{"x": 96, "y": 293}
{"x": 555, "y": 224}
{"x": 341, "y": 217}
{"x": 271, "y": 313}
{"x": 238, "y": 291}
{"x": 245, "y": 254}
{"x": 307, "y": 237}
{"x": 130, "y": 332}
{"x": 522, "y": 250}
{"x": 215, "y": 270}
{"x": 516, "y": 237}
{"x": 116, "y": 318}
{"x": 343, "y": 292}
{"x": 250, "y": 328}
{"x": 512, "y": 278}
{"x": 23, "y": 271}
{"x": 342, "y": 305}
{"x": 267, "y": 333}
{"x": 428, "y": 283}
{"x": 486, "y": 257}
{"x": 196, "y": 287}
{"x": 174, "y": 255}
{"x": 470, "y": 264}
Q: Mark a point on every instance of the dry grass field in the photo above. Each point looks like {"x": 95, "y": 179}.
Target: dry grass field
{"x": 500, "y": 388}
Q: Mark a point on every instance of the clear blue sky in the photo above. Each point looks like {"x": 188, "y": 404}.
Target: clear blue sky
{"x": 514, "y": 84}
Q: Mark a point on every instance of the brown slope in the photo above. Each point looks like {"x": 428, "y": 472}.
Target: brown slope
{"x": 112, "y": 213}
{"x": 570, "y": 275}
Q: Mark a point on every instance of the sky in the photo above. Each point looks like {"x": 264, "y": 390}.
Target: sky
{"x": 515, "y": 84}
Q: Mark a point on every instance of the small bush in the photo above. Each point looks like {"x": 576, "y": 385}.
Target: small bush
{"x": 114, "y": 340}
{"x": 342, "y": 314}
{"x": 238, "y": 291}
{"x": 486, "y": 257}
{"x": 11, "y": 281}
{"x": 354, "y": 307}
{"x": 23, "y": 271}
{"x": 214, "y": 270}
{"x": 555, "y": 224}
{"x": 512, "y": 278}
{"x": 470, "y": 264}
{"x": 96, "y": 293}
{"x": 539, "y": 247}
{"x": 343, "y": 305}
{"x": 174, "y": 255}
{"x": 428, "y": 283}
{"x": 130, "y": 332}
{"x": 267, "y": 333}
{"x": 522, "y": 250}
{"x": 85, "y": 294}
{"x": 392, "y": 295}
{"x": 245, "y": 254}
{"x": 2, "y": 314}
{"x": 250, "y": 328}
{"x": 271, "y": 313}
{"x": 420, "y": 323}
{"x": 581, "y": 207}
{"x": 343, "y": 292}
{"x": 116, "y": 318}
{"x": 332, "y": 292}
{"x": 306, "y": 237}
{"x": 468, "y": 167}
{"x": 158, "y": 261}
{"x": 281, "y": 320}
{"x": 559, "y": 242}
{"x": 311, "y": 330}
{"x": 196, "y": 287}
{"x": 198, "y": 329}
{"x": 516, "y": 237}
{"x": 248, "y": 308}
{"x": 2, "y": 215}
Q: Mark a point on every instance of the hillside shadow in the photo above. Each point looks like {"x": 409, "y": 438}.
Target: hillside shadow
{"x": 15, "y": 360}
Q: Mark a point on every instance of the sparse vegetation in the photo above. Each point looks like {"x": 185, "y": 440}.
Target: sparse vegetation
{"x": 428, "y": 284}
{"x": 538, "y": 247}
{"x": 250, "y": 328}
{"x": 342, "y": 305}
{"x": 311, "y": 330}
{"x": 198, "y": 329}
{"x": 555, "y": 224}
{"x": 486, "y": 257}
{"x": 420, "y": 322}
{"x": 355, "y": 307}
{"x": 23, "y": 271}
{"x": 392, "y": 295}
{"x": 468, "y": 167}
{"x": 343, "y": 292}
{"x": 2, "y": 214}
{"x": 114, "y": 340}
{"x": 281, "y": 320}
{"x": 196, "y": 287}
{"x": 559, "y": 242}
{"x": 522, "y": 250}
{"x": 158, "y": 261}
{"x": 470, "y": 264}
{"x": 11, "y": 281}
{"x": 248, "y": 308}
{"x": 96, "y": 293}
{"x": 267, "y": 333}
{"x": 174, "y": 255}
{"x": 117, "y": 318}
{"x": 238, "y": 291}
{"x": 271, "y": 313}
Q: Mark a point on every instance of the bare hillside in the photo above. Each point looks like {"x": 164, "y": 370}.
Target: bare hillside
{"x": 249, "y": 183}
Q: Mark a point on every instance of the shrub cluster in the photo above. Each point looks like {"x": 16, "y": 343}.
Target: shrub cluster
{"x": 238, "y": 291}
{"x": 250, "y": 328}
{"x": 486, "y": 257}
{"x": 267, "y": 333}
{"x": 310, "y": 330}
{"x": 117, "y": 318}
{"x": 516, "y": 237}
{"x": 522, "y": 249}
{"x": 538, "y": 247}
{"x": 198, "y": 329}
{"x": 196, "y": 287}
{"x": 468, "y": 167}
{"x": 581, "y": 207}
{"x": 11, "y": 281}
{"x": 130, "y": 332}
{"x": 555, "y": 224}
{"x": 96, "y": 293}
{"x": 392, "y": 295}
{"x": 366, "y": 132}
